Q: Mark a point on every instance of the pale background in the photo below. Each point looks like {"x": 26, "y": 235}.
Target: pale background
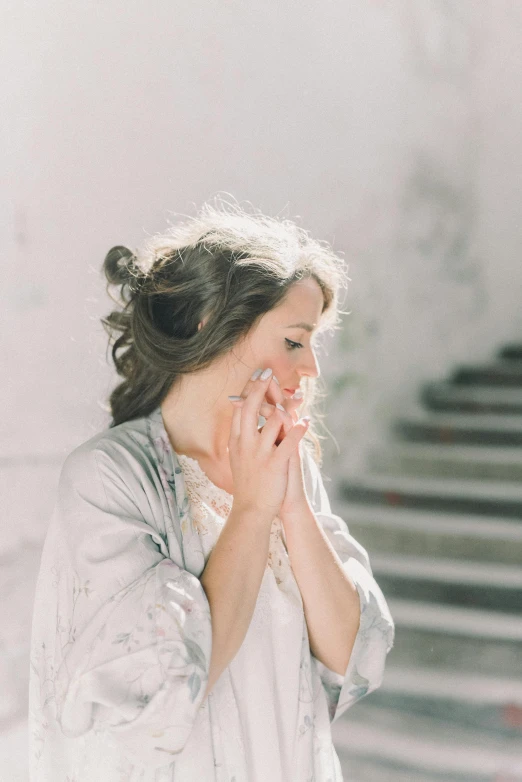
{"x": 391, "y": 130}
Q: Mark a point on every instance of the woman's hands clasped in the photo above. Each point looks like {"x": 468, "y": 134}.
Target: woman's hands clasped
{"x": 260, "y": 466}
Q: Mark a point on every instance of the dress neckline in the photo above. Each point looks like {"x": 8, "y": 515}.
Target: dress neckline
{"x": 184, "y": 458}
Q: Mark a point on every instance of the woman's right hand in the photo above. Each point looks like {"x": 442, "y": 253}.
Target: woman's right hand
{"x": 259, "y": 466}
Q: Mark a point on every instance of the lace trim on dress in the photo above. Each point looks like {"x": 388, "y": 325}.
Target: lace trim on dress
{"x": 203, "y": 494}
{"x": 200, "y": 487}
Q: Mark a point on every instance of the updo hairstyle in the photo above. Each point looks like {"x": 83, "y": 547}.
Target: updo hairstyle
{"x": 226, "y": 264}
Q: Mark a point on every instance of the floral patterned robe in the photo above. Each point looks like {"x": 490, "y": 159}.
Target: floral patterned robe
{"x": 121, "y": 636}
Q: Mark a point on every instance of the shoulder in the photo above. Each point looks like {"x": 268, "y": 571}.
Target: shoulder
{"x": 118, "y": 455}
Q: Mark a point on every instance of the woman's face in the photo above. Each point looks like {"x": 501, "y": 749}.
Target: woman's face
{"x": 199, "y": 403}
{"x": 283, "y": 339}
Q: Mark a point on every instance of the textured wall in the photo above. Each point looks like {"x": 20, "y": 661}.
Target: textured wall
{"x": 391, "y": 129}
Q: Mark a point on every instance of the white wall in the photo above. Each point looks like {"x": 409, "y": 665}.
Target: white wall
{"x": 391, "y": 129}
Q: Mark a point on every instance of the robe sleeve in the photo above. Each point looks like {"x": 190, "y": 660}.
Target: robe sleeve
{"x": 134, "y": 633}
{"x": 376, "y": 634}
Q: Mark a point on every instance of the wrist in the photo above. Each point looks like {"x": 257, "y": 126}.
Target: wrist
{"x": 297, "y": 513}
{"x": 251, "y": 514}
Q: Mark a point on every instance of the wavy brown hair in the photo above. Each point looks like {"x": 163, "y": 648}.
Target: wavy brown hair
{"x": 226, "y": 263}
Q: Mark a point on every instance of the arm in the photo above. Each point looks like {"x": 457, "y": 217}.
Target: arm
{"x": 231, "y": 580}
{"x": 365, "y": 652}
{"x": 330, "y": 598}
{"x": 133, "y": 627}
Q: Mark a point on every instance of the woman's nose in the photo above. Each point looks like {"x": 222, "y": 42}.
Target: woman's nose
{"x": 310, "y": 368}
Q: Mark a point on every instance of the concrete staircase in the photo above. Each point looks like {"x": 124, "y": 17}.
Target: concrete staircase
{"x": 440, "y": 511}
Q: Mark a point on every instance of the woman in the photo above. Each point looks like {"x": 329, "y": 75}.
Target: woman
{"x": 200, "y": 612}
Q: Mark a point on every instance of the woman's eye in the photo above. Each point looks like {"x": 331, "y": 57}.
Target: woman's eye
{"x": 293, "y": 345}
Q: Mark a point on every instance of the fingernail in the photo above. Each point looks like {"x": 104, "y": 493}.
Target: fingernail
{"x": 256, "y": 374}
{"x": 298, "y": 394}
{"x": 306, "y": 419}
{"x": 281, "y": 407}
{"x": 234, "y": 398}
{"x": 266, "y": 373}
{"x": 276, "y": 380}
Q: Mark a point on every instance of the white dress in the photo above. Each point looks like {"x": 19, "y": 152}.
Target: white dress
{"x": 121, "y": 638}
{"x": 265, "y": 671}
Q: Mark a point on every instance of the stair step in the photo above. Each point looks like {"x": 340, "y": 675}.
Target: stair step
{"x": 450, "y": 571}
{"x": 497, "y": 498}
{"x": 439, "y": 513}
{"x": 505, "y": 373}
{"x": 422, "y": 748}
{"x": 486, "y": 703}
{"x": 455, "y": 638}
{"x": 364, "y": 769}
{"x": 511, "y": 352}
{"x": 383, "y": 529}
{"x": 474, "y": 399}
{"x": 490, "y": 586}
{"x": 433, "y": 485}
{"x": 427, "y": 727}
{"x": 462, "y": 687}
{"x": 419, "y": 425}
{"x": 465, "y": 622}
{"x": 446, "y": 460}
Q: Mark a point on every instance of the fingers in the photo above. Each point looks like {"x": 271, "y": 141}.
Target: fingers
{"x": 288, "y": 423}
{"x": 251, "y": 406}
{"x": 235, "y": 428}
{"x": 267, "y": 410}
{"x": 270, "y": 431}
{"x": 291, "y": 440}
{"x": 275, "y": 395}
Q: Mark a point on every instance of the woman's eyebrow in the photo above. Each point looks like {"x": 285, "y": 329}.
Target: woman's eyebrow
{"x": 305, "y": 326}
